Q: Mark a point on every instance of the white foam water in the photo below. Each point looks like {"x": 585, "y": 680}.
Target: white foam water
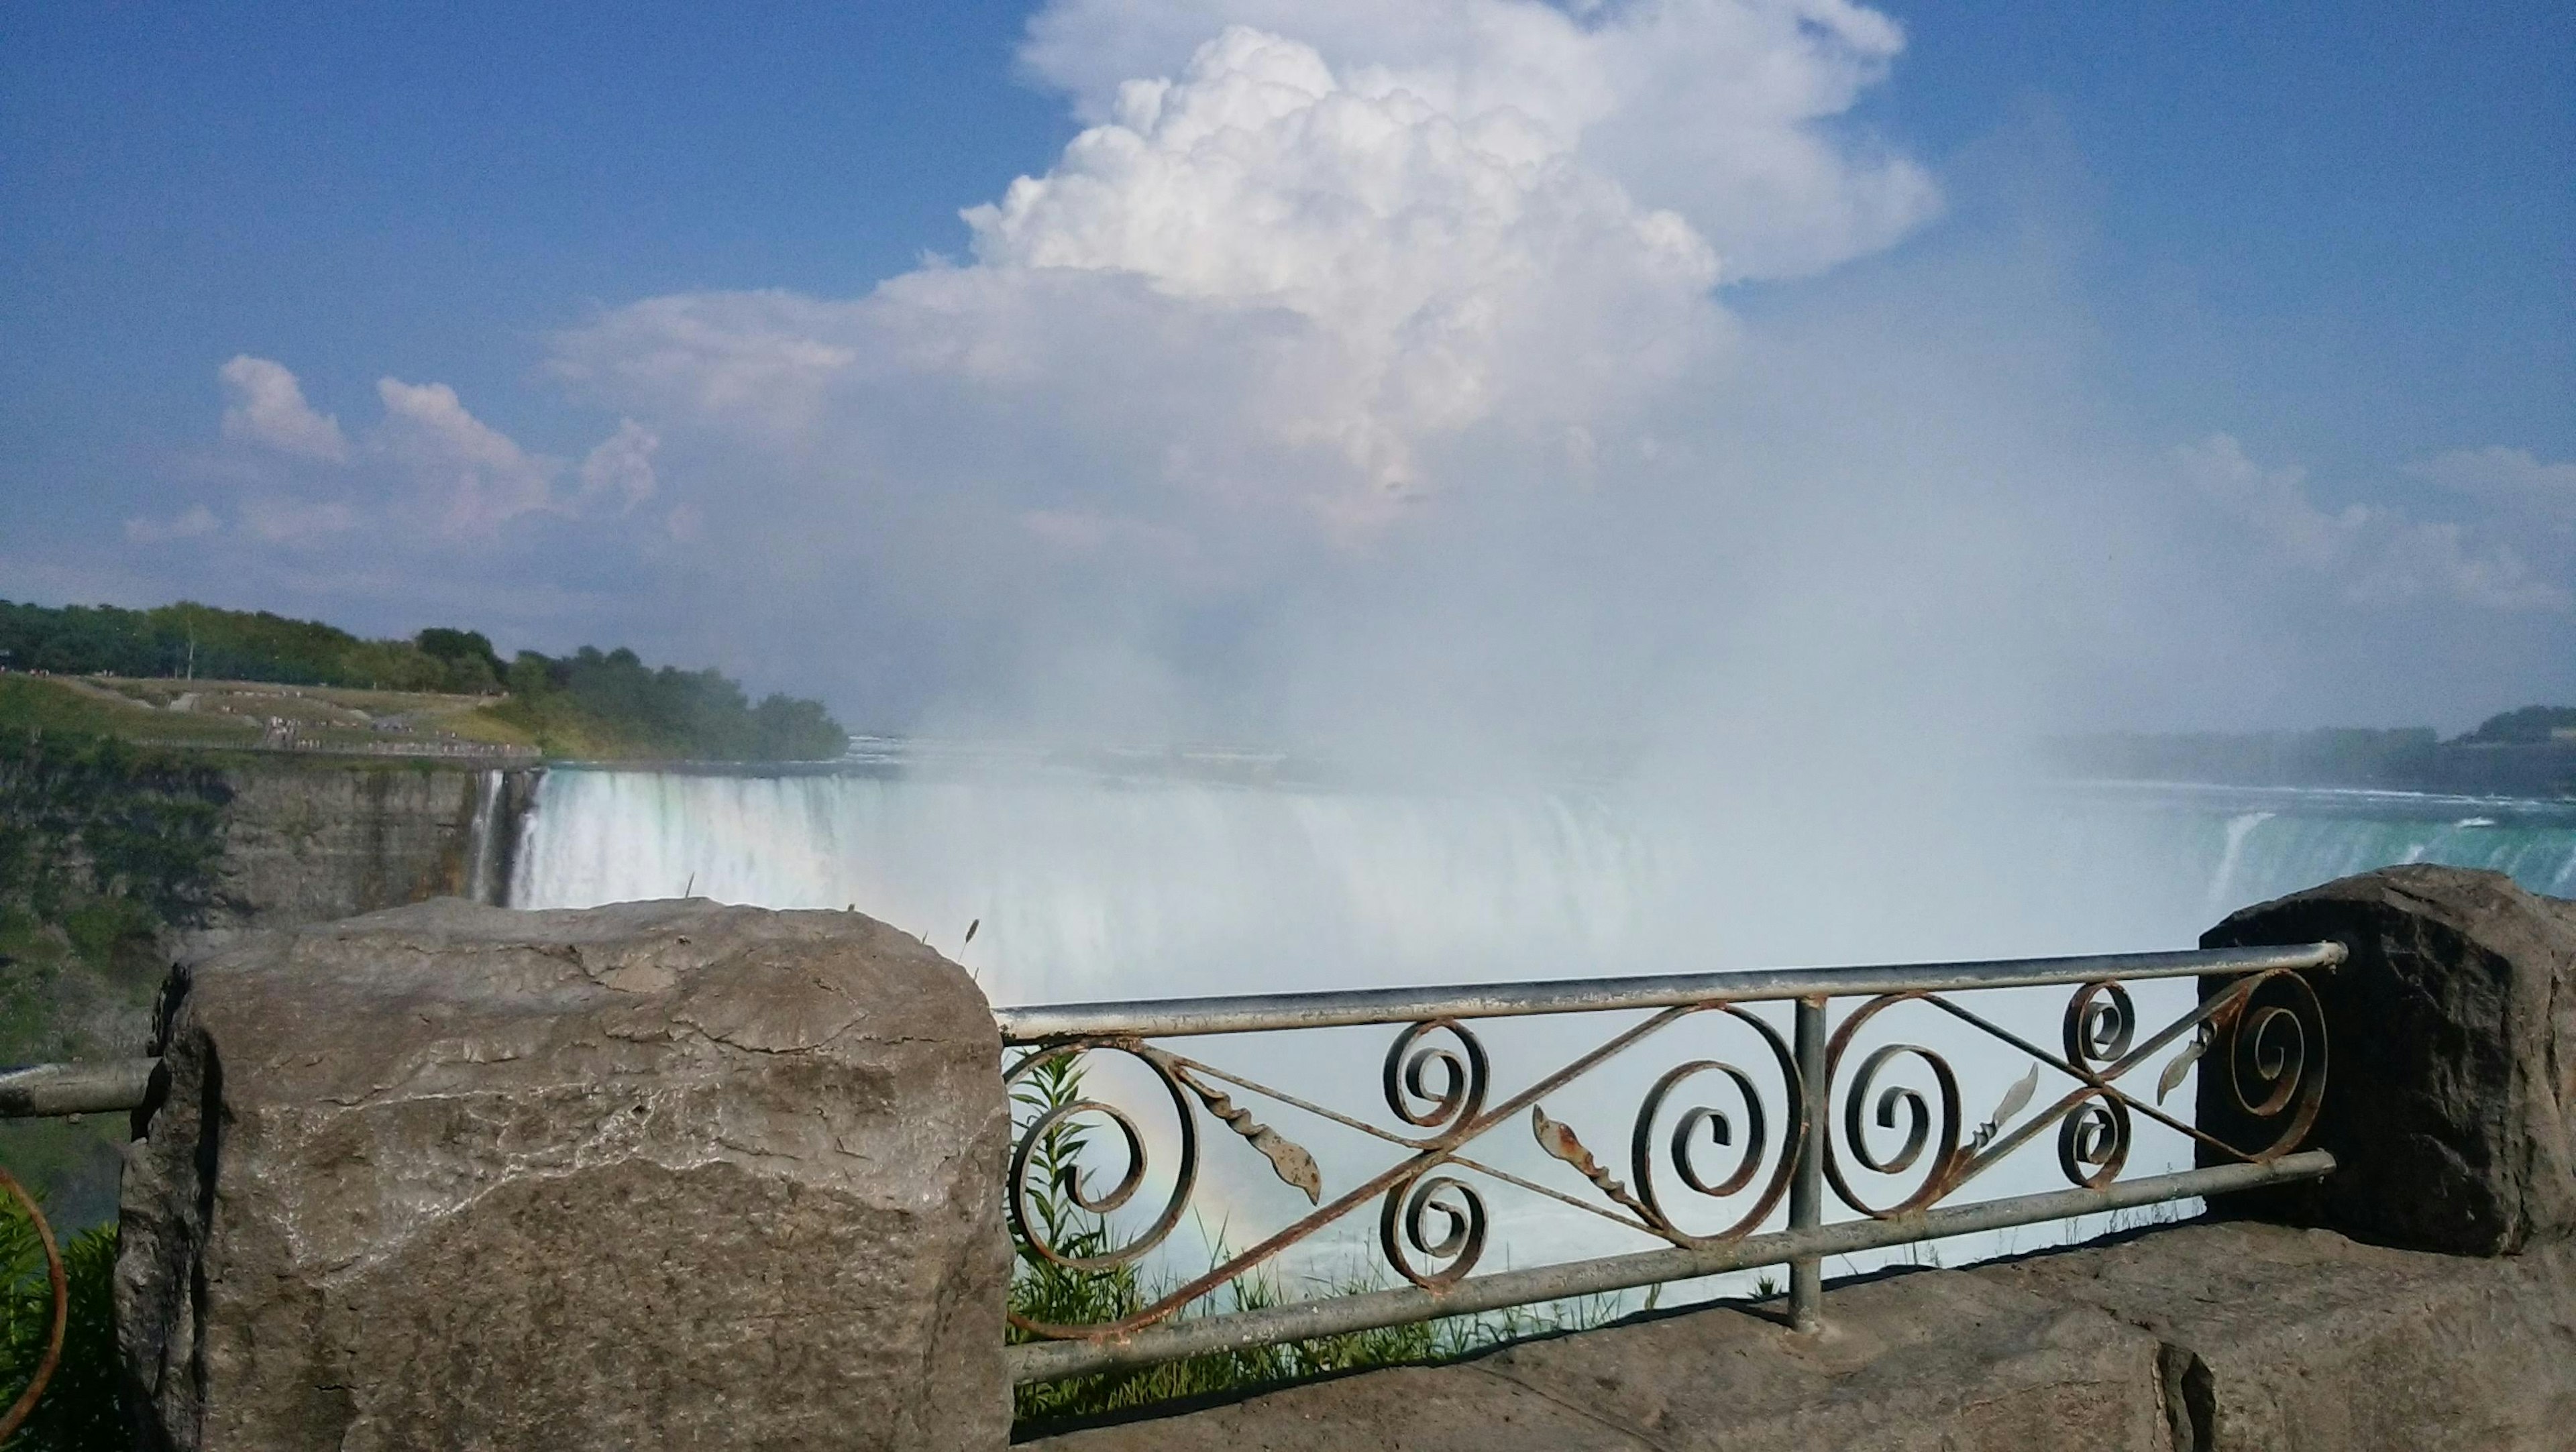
{"x": 1088, "y": 885}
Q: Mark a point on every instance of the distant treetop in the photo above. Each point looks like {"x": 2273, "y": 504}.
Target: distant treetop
{"x": 2524, "y": 725}
{"x": 588, "y": 703}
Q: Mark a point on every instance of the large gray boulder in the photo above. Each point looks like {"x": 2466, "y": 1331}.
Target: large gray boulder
{"x": 656, "y": 1175}
{"x": 2453, "y": 1029}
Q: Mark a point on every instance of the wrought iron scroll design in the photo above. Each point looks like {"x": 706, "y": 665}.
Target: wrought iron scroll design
{"x": 1712, "y": 1146}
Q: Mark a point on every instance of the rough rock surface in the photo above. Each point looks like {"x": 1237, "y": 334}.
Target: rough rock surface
{"x": 2281, "y": 1339}
{"x": 2453, "y": 1060}
{"x": 308, "y": 842}
{"x": 654, "y": 1175}
{"x": 1934, "y": 1360}
{"x": 2228, "y": 1337}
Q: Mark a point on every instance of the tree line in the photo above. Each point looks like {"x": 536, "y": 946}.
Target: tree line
{"x": 589, "y": 702}
{"x": 2410, "y": 758}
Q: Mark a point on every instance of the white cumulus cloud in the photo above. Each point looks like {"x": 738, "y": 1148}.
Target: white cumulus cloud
{"x": 2369, "y": 552}
{"x": 265, "y": 406}
{"x": 1295, "y": 260}
{"x": 1423, "y": 242}
{"x": 618, "y": 471}
{"x": 1715, "y": 109}
{"x": 474, "y": 476}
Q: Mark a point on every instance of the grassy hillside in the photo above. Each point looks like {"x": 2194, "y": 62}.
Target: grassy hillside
{"x": 246, "y": 715}
{"x": 189, "y": 675}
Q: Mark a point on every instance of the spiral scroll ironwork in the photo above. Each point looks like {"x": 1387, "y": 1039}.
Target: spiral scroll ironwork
{"x": 1409, "y": 1206}
{"x": 2101, "y": 1022}
{"x": 1892, "y": 1127}
{"x": 1043, "y": 1137}
{"x": 2275, "y": 1045}
{"x": 1897, "y": 1101}
{"x": 1464, "y": 1075}
{"x": 59, "y": 1287}
{"x": 1680, "y": 1148}
{"x": 2093, "y": 1139}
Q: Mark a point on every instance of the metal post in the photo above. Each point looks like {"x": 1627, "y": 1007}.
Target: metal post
{"x": 1807, "y": 1190}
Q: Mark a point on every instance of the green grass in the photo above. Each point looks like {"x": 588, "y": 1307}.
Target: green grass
{"x": 1044, "y": 1291}
{"x": 79, "y": 1411}
{"x": 37, "y": 704}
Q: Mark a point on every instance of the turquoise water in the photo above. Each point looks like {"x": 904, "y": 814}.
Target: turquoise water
{"x": 2251, "y": 844}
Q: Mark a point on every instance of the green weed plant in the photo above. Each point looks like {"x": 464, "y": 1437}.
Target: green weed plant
{"x": 1042, "y": 1290}
{"x": 79, "y": 1411}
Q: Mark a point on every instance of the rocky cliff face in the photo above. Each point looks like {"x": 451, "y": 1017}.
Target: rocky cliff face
{"x": 309, "y": 843}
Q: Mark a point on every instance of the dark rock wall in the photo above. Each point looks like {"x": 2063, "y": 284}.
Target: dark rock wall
{"x": 2452, "y": 1091}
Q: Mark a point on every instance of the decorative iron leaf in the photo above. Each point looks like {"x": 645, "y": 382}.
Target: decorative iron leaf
{"x": 2171, "y": 1078}
{"x": 1287, "y": 1159}
{"x": 1558, "y": 1139}
{"x": 2015, "y": 1100}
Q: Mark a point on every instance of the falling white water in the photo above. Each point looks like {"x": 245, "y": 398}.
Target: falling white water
{"x": 1087, "y": 886}
{"x": 1084, "y": 886}
{"x": 483, "y": 840}
{"x": 2238, "y": 829}
{"x": 1080, "y": 888}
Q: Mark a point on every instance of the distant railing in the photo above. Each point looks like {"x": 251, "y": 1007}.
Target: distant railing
{"x": 1829, "y": 1104}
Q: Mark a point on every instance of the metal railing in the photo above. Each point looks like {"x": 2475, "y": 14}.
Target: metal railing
{"x": 1843, "y": 1123}
{"x": 1821, "y": 1083}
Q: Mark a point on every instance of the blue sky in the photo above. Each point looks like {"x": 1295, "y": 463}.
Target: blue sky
{"x": 2340, "y": 239}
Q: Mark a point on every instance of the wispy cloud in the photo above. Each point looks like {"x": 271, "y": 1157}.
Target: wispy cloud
{"x": 190, "y": 523}
{"x": 2370, "y": 552}
{"x": 265, "y": 406}
{"x": 470, "y": 474}
{"x": 2512, "y": 480}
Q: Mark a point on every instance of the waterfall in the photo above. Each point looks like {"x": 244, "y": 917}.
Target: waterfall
{"x": 1082, "y": 886}
{"x": 1085, "y": 886}
{"x": 485, "y": 837}
{"x": 2223, "y": 880}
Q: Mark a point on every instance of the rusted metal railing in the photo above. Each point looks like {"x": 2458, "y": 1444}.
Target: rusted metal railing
{"x": 1803, "y": 1119}
{"x": 1805, "y": 1112}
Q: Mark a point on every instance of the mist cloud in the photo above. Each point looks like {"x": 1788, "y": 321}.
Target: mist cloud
{"x": 1393, "y": 372}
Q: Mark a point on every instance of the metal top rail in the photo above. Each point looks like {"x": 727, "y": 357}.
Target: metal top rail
{"x": 1252, "y": 1013}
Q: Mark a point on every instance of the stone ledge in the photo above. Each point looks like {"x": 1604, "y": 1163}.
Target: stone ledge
{"x": 2205, "y": 1338}
{"x": 654, "y": 1175}
{"x": 2293, "y": 1339}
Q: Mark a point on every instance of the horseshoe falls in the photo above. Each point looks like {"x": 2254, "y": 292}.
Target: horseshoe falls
{"x": 1083, "y": 888}
{"x": 1082, "y": 884}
